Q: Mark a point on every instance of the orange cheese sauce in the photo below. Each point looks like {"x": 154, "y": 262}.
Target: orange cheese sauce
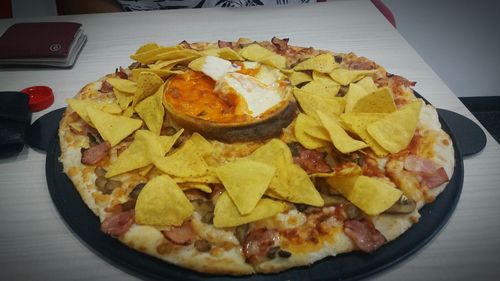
{"x": 192, "y": 93}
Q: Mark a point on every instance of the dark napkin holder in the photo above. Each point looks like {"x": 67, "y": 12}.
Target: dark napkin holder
{"x": 15, "y": 119}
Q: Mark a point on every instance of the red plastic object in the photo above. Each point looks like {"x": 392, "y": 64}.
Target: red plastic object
{"x": 385, "y": 11}
{"x": 40, "y": 97}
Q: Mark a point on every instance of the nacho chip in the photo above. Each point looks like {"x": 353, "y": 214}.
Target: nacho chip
{"x": 367, "y": 84}
{"x": 372, "y": 195}
{"x": 140, "y": 153}
{"x": 162, "y": 203}
{"x": 168, "y": 64}
{"x": 149, "y": 56}
{"x": 255, "y": 52}
{"x": 123, "y": 85}
{"x": 323, "y": 63}
{"x": 203, "y": 146}
{"x": 80, "y": 107}
{"x": 147, "y": 84}
{"x": 113, "y": 128}
{"x": 147, "y": 47}
{"x": 311, "y": 103}
{"x": 151, "y": 111}
{"x": 320, "y": 88}
{"x": 223, "y": 53}
{"x": 208, "y": 178}
{"x": 245, "y": 182}
{"x": 184, "y": 162}
{"x": 169, "y": 141}
{"x": 354, "y": 94}
{"x": 340, "y": 139}
{"x": 357, "y": 123}
{"x": 303, "y": 123}
{"x": 124, "y": 99}
{"x": 380, "y": 101}
{"x": 129, "y": 112}
{"x": 312, "y": 127}
{"x": 395, "y": 131}
{"x": 163, "y": 73}
{"x": 178, "y": 54}
{"x": 346, "y": 76}
{"x": 194, "y": 185}
{"x": 298, "y": 77}
{"x": 302, "y": 189}
{"x": 226, "y": 213}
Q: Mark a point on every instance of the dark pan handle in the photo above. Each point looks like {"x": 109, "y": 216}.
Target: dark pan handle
{"x": 43, "y": 129}
{"x": 471, "y": 138}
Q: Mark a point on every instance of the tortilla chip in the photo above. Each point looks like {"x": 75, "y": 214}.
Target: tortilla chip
{"x": 367, "y": 84}
{"x": 129, "y": 112}
{"x": 80, "y": 107}
{"x": 372, "y": 195}
{"x": 203, "y": 146}
{"x": 226, "y": 213}
{"x": 311, "y": 103}
{"x": 149, "y": 56}
{"x": 223, "y": 53}
{"x": 303, "y": 123}
{"x": 169, "y": 141}
{"x": 323, "y": 63}
{"x": 124, "y": 99}
{"x": 320, "y": 88}
{"x": 163, "y": 73}
{"x": 184, "y": 162}
{"x": 113, "y": 128}
{"x": 298, "y": 77}
{"x": 357, "y": 123}
{"x": 123, "y": 85}
{"x": 147, "y": 47}
{"x": 151, "y": 111}
{"x": 255, "y": 52}
{"x": 194, "y": 185}
{"x": 340, "y": 139}
{"x": 162, "y": 203}
{"x": 245, "y": 181}
{"x": 302, "y": 189}
{"x": 354, "y": 94}
{"x": 380, "y": 101}
{"x": 140, "y": 153}
{"x": 208, "y": 178}
{"x": 346, "y": 76}
{"x": 395, "y": 131}
{"x": 178, "y": 54}
{"x": 147, "y": 84}
{"x": 168, "y": 64}
{"x": 313, "y": 127}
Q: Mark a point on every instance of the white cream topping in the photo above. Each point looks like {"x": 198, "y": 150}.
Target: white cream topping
{"x": 216, "y": 68}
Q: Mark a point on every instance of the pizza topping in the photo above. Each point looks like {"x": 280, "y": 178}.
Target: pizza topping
{"x": 364, "y": 235}
{"x": 96, "y": 153}
{"x": 404, "y": 205}
{"x": 106, "y": 186}
{"x": 118, "y": 224}
{"x": 183, "y": 235}
{"x": 121, "y": 73}
{"x": 432, "y": 176}
{"x": 435, "y": 179}
{"x": 202, "y": 245}
{"x": 280, "y": 44}
{"x": 106, "y": 87}
{"x": 406, "y": 181}
{"x": 312, "y": 161}
{"x": 258, "y": 242}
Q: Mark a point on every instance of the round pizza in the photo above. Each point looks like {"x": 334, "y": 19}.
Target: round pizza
{"x": 253, "y": 157}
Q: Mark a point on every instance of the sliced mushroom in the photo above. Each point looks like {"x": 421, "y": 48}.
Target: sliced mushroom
{"x": 241, "y": 232}
{"x": 404, "y": 205}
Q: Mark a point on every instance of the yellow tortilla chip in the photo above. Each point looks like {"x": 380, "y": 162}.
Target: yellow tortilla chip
{"x": 203, "y": 146}
{"x": 184, "y": 162}
{"x": 145, "y": 170}
{"x": 151, "y": 111}
{"x": 223, "y": 53}
{"x": 163, "y": 73}
{"x": 194, "y": 185}
{"x": 124, "y": 99}
{"x": 372, "y": 195}
{"x": 169, "y": 141}
{"x": 178, "y": 54}
{"x": 354, "y": 94}
{"x": 162, "y": 203}
{"x": 149, "y": 56}
{"x": 123, "y": 85}
{"x": 320, "y": 88}
{"x": 140, "y": 153}
{"x": 113, "y": 128}
{"x": 367, "y": 84}
{"x": 129, "y": 112}
{"x": 380, "y": 101}
{"x": 395, "y": 131}
{"x": 298, "y": 77}
{"x": 226, "y": 213}
{"x": 255, "y": 52}
{"x": 147, "y": 84}
{"x": 245, "y": 181}
{"x": 302, "y": 189}
{"x": 323, "y": 63}
{"x": 80, "y": 107}
{"x": 303, "y": 123}
{"x": 168, "y": 64}
{"x": 208, "y": 178}
{"x": 346, "y": 76}
{"x": 147, "y": 47}
{"x": 312, "y": 127}
{"x": 310, "y": 103}
{"x": 357, "y": 123}
{"x": 340, "y": 139}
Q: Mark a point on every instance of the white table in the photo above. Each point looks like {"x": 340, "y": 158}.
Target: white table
{"x": 35, "y": 244}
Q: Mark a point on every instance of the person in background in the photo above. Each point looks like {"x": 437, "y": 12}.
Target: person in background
{"x": 107, "y": 6}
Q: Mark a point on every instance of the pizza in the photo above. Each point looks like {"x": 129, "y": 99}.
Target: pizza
{"x": 252, "y": 157}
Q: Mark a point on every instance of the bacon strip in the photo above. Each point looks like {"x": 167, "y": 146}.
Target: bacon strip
{"x": 280, "y": 44}
{"x": 182, "y": 235}
{"x": 118, "y": 224}
{"x": 432, "y": 175}
{"x": 258, "y": 242}
{"x": 364, "y": 235}
{"x": 95, "y": 153}
{"x": 223, "y": 44}
{"x": 106, "y": 87}
{"x": 311, "y": 161}
{"x": 436, "y": 179}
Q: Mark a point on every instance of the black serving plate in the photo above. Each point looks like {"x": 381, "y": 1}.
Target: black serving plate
{"x": 351, "y": 266}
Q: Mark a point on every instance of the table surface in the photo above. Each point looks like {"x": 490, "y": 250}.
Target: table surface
{"x": 35, "y": 243}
